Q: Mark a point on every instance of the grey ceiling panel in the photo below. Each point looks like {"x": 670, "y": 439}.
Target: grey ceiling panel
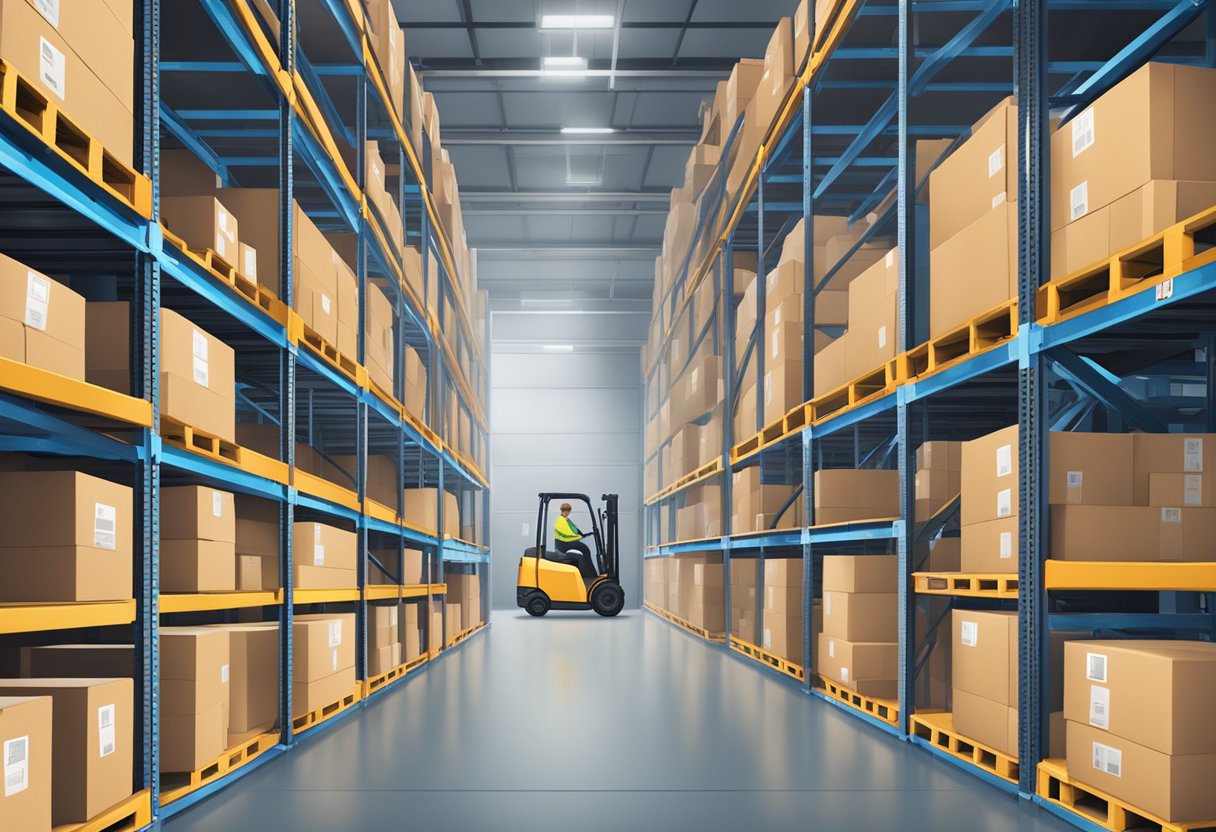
{"x": 648, "y": 43}
{"x": 714, "y": 43}
{"x": 497, "y": 227}
{"x": 650, "y": 11}
{"x": 468, "y": 109}
{"x": 438, "y": 43}
{"x": 719, "y": 11}
{"x": 426, "y": 11}
{"x": 510, "y": 11}
{"x": 510, "y": 43}
{"x": 666, "y": 167}
{"x": 656, "y": 109}
{"x": 480, "y": 166}
{"x": 623, "y": 169}
{"x": 555, "y": 110}
{"x": 649, "y": 227}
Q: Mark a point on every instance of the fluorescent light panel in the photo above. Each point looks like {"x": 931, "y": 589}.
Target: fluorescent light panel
{"x": 587, "y": 131}
{"x": 564, "y": 62}
{"x": 577, "y": 21}
{"x": 559, "y": 347}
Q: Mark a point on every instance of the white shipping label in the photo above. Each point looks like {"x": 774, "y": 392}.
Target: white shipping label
{"x": 224, "y": 674}
{"x": 221, "y": 217}
{"x": 202, "y": 372}
{"x": 250, "y": 266}
{"x": 393, "y": 617}
{"x": 890, "y": 258}
{"x": 844, "y": 674}
{"x": 1075, "y": 478}
{"x": 1006, "y": 545}
{"x": 1192, "y": 454}
{"x": 37, "y": 300}
{"x": 16, "y": 765}
{"x": 105, "y": 731}
{"x": 105, "y": 526}
{"x": 1078, "y": 201}
{"x": 1004, "y": 503}
{"x": 1192, "y": 489}
{"x": 335, "y": 632}
{"x": 325, "y": 303}
{"x": 1108, "y": 760}
{"x": 831, "y": 649}
{"x": 768, "y": 389}
{"x": 827, "y": 603}
{"x": 318, "y": 554}
{"x": 52, "y": 68}
{"x": 996, "y": 161}
{"x": 776, "y": 345}
{"x": 882, "y": 337}
{"x": 970, "y": 634}
{"x": 1095, "y": 667}
{"x": 777, "y": 316}
{"x": 1082, "y": 132}
{"x": 1004, "y": 460}
{"x": 316, "y": 532}
{"x": 998, "y": 199}
{"x": 1099, "y": 707}
{"x": 48, "y": 9}
{"x": 217, "y": 503}
{"x": 335, "y": 661}
{"x": 1171, "y": 515}
{"x": 768, "y": 639}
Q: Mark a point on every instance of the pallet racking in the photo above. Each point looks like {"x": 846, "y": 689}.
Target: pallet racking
{"x": 1063, "y": 355}
{"x": 278, "y": 103}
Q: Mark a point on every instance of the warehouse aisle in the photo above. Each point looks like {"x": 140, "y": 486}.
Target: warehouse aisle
{"x": 576, "y": 723}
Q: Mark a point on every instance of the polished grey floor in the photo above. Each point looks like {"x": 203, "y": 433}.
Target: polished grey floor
{"x": 581, "y": 724}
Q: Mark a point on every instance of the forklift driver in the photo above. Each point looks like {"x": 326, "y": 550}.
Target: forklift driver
{"x": 569, "y": 539}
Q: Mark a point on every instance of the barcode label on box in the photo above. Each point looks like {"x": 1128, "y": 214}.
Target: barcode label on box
{"x": 1108, "y": 760}
{"x": 831, "y": 649}
{"x": 1004, "y": 460}
{"x": 1095, "y": 667}
{"x": 1082, "y": 132}
{"x": 325, "y": 303}
{"x": 335, "y": 632}
{"x": 335, "y": 661}
{"x": 1165, "y": 289}
{"x": 1192, "y": 454}
{"x": 971, "y": 634}
{"x": 998, "y": 199}
{"x": 768, "y": 639}
{"x": 1099, "y": 707}
{"x": 1171, "y": 515}
{"x": 1078, "y": 201}
{"x": 1006, "y": 545}
{"x": 996, "y": 161}
{"x": 48, "y": 9}
{"x": 318, "y": 554}
{"x": 202, "y": 373}
{"x": 16, "y": 765}
{"x": 224, "y": 674}
{"x": 105, "y": 526}
{"x": 882, "y": 337}
{"x": 250, "y": 266}
{"x": 217, "y": 503}
{"x": 844, "y": 674}
{"x": 105, "y": 730}
{"x": 52, "y": 68}
{"x": 1075, "y": 478}
{"x": 1004, "y": 503}
{"x": 1192, "y": 489}
{"x": 37, "y": 300}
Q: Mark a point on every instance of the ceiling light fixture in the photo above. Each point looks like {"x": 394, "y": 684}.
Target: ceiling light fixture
{"x": 577, "y": 21}
{"x": 587, "y": 131}
{"x": 559, "y": 347}
{"x": 546, "y": 301}
{"x": 564, "y": 62}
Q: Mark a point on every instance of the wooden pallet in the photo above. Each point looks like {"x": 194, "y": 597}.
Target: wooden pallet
{"x": 382, "y": 681}
{"x": 1152, "y": 263}
{"x": 128, "y": 815}
{"x": 315, "y": 718}
{"x": 967, "y": 585}
{"x": 685, "y": 624}
{"x": 301, "y": 333}
{"x": 861, "y": 390}
{"x": 28, "y": 107}
{"x": 937, "y": 730}
{"x": 980, "y": 334}
{"x": 704, "y": 472}
{"x": 176, "y": 786}
{"x": 1097, "y": 807}
{"x": 792, "y": 422}
{"x": 464, "y": 634}
{"x": 206, "y": 444}
{"x": 230, "y": 276}
{"x": 881, "y": 709}
{"x": 778, "y": 663}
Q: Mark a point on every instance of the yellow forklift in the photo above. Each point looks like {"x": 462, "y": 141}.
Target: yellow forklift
{"x": 552, "y": 580}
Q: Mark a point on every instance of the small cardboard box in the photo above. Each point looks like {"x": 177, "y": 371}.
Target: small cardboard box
{"x": 785, "y": 600}
{"x": 92, "y": 759}
{"x": 783, "y": 572}
{"x": 868, "y": 668}
{"x": 323, "y": 546}
{"x": 975, "y": 270}
{"x": 189, "y": 742}
{"x": 204, "y": 223}
{"x": 322, "y": 692}
{"x": 986, "y": 722}
{"x": 323, "y": 644}
{"x": 254, "y": 676}
{"x": 413, "y": 572}
{"x": 195, "y": 671}
{"x": 256, "y": 573}
{"x": 196, "y": 512}
{"x": 831, "y": 366}
{"x": 25, "y": 741}
{"x": 990, "y": 477}
{"x": 197, "y": 377}
{"x": 940, "y": 456}
{"x": 1172, "y": 453}
{"x": 844, "y": 494}
{"x": 860, "y": 573}
{"x": 1090, "y": 469}
{"x": 197, "y": 566}
{"x": 861, "y": 616}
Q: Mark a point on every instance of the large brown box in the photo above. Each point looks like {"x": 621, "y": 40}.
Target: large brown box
{"x": 844, "y": 494}
{"x": 868, "y": 668}
{"x": 984, "y": 652}
{"x": 1180, "y": 490}
{"x": 1132, "y": 533}
{"x": 253, "y": 677}
{"x": 435, "y": 628}
{"x": 42, "y": 321}
{"x": 195, "y": 679}
{"x": 940, "y": 455}
{"x": 1090, "y": 469}
{"x": 989, "y": 547}
{"x": 977, "y": 177}
{"x": 860, "y": 573}
{"x": 324, "y": 644}
{"x": 197, "y": 377}
{"x": 196, "y": 512}
{"x": 861, "y": 616}
{"x": 873, "y": 316}
{"x": 203, "y": 223}
{"x": 975, "y": 270}
{"x": 25, "y": 741}
{"x": 784, "y": 600}
{"x": 198, "y": 566}
{"x": 307, "y": 696}
{"x": 986, "y": 722}
{"x": 411, "y": 634}
{"x": 323, "y": 546}
{"x": 413, "y": 567}
{"x": 1173, "y": 787}
{"x": 92, "y": 759}
{"x": 454, "y": 621}
{"x": 1152, "y": 125}
{"x": 78, "y": 661}
{"x": 257, "y": 527}
{"x": 782, "y": 635}
{"x": 67, "y": 537}
{"x": 1171, "y": 453}
{"x": 934, "y": 488}
{"x": 1153, "y": 693}
{"x": 783, "y": 572}
{"x": 990, "y": 477}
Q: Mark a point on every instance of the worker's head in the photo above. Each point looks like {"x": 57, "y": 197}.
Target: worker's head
{"x": 566, "y": 507}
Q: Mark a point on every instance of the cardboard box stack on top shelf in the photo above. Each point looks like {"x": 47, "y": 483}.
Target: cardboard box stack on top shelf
{"x": 858, "y": 647}
{"x": 323, "y": 556}
{"x": 1138, "y": 723}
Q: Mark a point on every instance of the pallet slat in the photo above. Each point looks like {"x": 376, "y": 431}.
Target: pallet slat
{"x": 881, "y": 709}
{"x": 937, "y": 729}
{"x": 1055, "y": 786}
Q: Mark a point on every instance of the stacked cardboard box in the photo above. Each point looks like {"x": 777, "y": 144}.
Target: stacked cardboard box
{"x": 25, "y": 736}
{"x": 434, "y": 633}
{"x": 323, "y": 660}
{"x": 78, "y": 661}
{"x": 759, "y": 506}
{"x": 743, "y": 602}
{"x": 375, "y": 188}
{"x": 415, "y": 383}
{"x": 67, "y": 537}
{"x": 938, "y": 478}
{"x": 705, "y": 605}
{"x": 378, "y": 343}
{"x": 383, "y": 638}
{"x": 464, "y": 591}
{"x": 859, "y": 644}
{"x": 453, "y": 620}
{"x": 91, "y": 755}
{"x": 42, "y": 321}
{"x": 197, "y": 540}
{"x": 1139, "y": 723}
{"x": 323, "y": 557}
{"x": 422, "y": 510}
{"x": 205, "y": 225}
{"x": 701, "y": 515}
{"x": 253, "y": 678}
{"x": 195, "y": 691}
{"x": 257, "y": 544}
{"x": 411, "y": 630}
{"x": 654, "y": 582}
{"x": 989, "y": 511}
{"x": 844, "y": 495}
{"x": 1132, "y": 164}
{"x": 783, "y": 608}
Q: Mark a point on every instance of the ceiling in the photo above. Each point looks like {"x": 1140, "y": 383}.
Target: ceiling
{"x": 575, "y": 220}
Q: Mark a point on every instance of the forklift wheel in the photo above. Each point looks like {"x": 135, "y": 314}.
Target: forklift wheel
{"x": 607, "y": 599}
{"x": 538, "y": 605}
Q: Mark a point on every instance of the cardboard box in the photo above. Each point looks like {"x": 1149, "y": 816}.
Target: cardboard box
{"x": 977, "y": 177}
{"x": 945, "y": 555}
{"x": 204, "y": 224}
{"x": 257, "y": 527}
{"x": 990, "y": 547}
{"x": 67, "y": 537}
{"x": 197, "y": 377}
{"x": 323, "y": 546}
{"x": 783, "y": 572}
{"x": 860, "y": 573}
{"x": 934, "y": 489}
{"x": 196, "y": 512}
{"x": 247, "y": 261}
{"x": 323, "y": 692}
{"x": 984, "y": 652}
{"x": 782, "y": 636}
{"x": 411, "y": 632}
{"x": 43, "y": 321}
{"x": 1180, "y": 490}
{"x": 990, "y": 477}
{"x": 195, "y": 676}
{"x": 781, "y": 599}
{"x": 1174, "y": 453}
{"x": 435, "y": 630}
{"x": 197, "y": 566}
{"x": 975, "y": 270}
{"x": 253, "y": 676}
{"x": 844, "y": 494}
{"x": 861, "y": 616}
{"x": 1175, "y": 788}
{"x": 1148, "y": 692}
{"x": 871, "y": 669}
{"x": 831, "y": 366}
{"x": 873, "y": 315}
{"x": 940, "y": 455}
{"x": 1090, "y": 469}
{"x": 324, "y": 644}
{"x": 25, "y": 739}
{"x": 1132, "y": 533}
{"x": 453, "y": 621}
{"x": 92, "y": 759}
{"x": 1149, "y": 126}
{"x": 78, "y": 661}
{"x": 413, "y": 567}
{"x": 986, "y": 722}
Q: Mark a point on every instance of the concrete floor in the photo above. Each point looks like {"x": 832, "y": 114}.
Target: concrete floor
{"x": 575, "y": 723}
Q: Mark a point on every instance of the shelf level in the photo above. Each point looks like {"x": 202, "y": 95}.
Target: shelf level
{"x": 1187, "y": 577}
{"x": 33, "y": 618}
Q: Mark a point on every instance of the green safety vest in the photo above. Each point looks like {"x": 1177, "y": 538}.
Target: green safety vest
{"x": 566, "y": 531}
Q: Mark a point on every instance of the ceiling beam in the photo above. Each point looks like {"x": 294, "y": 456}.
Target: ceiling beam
{"x": 468, "y": 71}
{"x": 567, "y": 250}
{"x": 681, "y": 138}
{"x": 628, "y": 24}
{"x": 470, "y": 196}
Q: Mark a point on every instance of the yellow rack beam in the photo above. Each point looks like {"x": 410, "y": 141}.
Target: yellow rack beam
{"x": 324, "y": 596}
{"x": 1187, "y": 577}
{"x": 44, "y": 386}
{"x": 33, "y": 618}
{"x": 208, "y": 601}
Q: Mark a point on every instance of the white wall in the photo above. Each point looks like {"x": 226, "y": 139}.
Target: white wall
{"x": 563, "y": 422}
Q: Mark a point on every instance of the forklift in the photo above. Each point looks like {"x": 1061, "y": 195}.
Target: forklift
{"x": 548, "y": 580}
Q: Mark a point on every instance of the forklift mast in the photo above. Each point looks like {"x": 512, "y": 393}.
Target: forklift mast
{"x": 612, "y": 538}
